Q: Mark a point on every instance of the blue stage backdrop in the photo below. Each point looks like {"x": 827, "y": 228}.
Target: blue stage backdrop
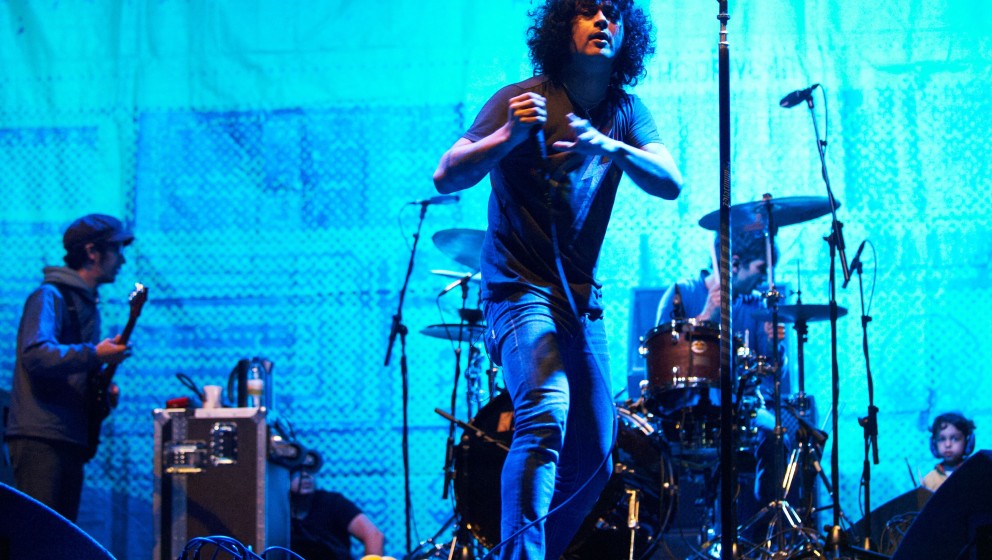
{"x": 265, "y": 152}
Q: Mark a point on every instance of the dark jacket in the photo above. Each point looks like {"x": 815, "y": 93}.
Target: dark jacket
{"x": 53, "y": 361}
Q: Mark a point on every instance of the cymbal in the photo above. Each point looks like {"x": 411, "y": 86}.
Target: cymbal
{"x": 804, "y": 312}
{"x": 463, "y": 245}
{"x": 785, "y": 212}
{"x": 449, "y": 331}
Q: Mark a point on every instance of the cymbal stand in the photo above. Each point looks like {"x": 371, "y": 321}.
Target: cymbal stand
{"x": 781, "y": 509}
{"x": 450, "y": 442}
{"x": 801, "y": 409}
{"x": 810, "y": 440}
{"x": 398, "y": 328}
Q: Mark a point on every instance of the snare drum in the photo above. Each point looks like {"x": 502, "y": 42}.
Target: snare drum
{"x": 683, "y": 363}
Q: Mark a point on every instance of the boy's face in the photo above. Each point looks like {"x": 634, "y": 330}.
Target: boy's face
{"x": 950, "y": 444}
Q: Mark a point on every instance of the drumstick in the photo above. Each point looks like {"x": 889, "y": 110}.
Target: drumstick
{"x": 716, "y": 263}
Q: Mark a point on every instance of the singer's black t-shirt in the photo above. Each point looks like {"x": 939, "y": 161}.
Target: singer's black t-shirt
{"x": 517, "y": 254}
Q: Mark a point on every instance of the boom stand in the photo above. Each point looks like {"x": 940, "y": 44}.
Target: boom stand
{"x": 836, "y": 242}
{"x": 398, "y": 328}
{"x": 869, "y": 423}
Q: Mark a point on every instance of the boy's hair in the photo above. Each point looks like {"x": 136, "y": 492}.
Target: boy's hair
{"x": 956, "y": 419}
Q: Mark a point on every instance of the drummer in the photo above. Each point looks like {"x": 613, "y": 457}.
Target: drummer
{"x": 700, "y": 296}
{"x": 699, "y": 299}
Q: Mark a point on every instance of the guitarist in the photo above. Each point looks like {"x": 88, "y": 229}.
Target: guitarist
{"x": 58, "y": 349}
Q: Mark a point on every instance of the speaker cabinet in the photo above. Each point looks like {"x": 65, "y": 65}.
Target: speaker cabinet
{"x": 213, "y": 478}
{"x": 29, "y": 529}
{"x": 957, "y": 521}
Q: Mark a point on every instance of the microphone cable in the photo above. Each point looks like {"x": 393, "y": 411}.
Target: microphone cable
{"x": 539, "y": 138}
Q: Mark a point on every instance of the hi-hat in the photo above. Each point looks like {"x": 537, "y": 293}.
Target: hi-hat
{"x": 449, "y": 331}
{"x": 785, "y": 212}
{"x": 802, "y": 313}
{"x": 463, "y": 245}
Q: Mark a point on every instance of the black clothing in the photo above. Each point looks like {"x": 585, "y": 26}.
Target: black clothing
{"x": 323, "y": 533}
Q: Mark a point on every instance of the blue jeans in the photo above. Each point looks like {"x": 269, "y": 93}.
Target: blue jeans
{"x": 557, "y": 373}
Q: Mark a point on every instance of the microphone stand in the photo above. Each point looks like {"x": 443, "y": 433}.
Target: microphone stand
{"x": 836, "y": 242}
{"x": 398, "y": 328}
{"x": 868, "y": 423}
{"x": 728, "y": 471}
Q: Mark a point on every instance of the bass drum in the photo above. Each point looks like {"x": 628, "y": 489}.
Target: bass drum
{"x": 640, "y": 470}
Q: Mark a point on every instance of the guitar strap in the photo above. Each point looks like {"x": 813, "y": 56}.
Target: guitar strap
{"x": 74, "y": 332}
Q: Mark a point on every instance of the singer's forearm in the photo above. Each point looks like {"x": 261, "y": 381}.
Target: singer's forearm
{"x": 652, "y": 168}
{"x": 467, "y": 162}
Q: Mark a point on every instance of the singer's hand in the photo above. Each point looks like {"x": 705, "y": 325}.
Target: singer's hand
{"x": 467, "y": 162}
{"x": 523, "y": 113}
{"x": 588, "y": 140}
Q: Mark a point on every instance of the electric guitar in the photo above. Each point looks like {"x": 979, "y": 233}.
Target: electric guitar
{"x": 103, "y": 393}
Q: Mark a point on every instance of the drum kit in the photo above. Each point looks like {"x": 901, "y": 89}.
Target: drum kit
{"x": 672, "y": 429}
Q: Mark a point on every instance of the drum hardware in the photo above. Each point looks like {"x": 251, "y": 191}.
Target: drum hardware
{"x": 469, "y": 427}
{"x": 465, "y": 247}
{"x": 767, "y": 215}
{"x": 683, "y": 384}
{"x": 800, "y": 314}
{"x": 633, "y": 518}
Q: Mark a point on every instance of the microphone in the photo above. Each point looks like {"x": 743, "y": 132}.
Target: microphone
{"x": 855, "y": 262}
{"x": 797, "y": 97}
{"x": 440, "y": 199}
{"x": 456, "y": 283}
{"x": 538, "y": 133}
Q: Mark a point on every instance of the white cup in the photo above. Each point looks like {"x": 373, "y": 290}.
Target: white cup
{"x": 211, "y": 396}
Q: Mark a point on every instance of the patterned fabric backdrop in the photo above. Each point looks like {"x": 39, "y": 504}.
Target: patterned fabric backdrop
{"x": 264, "y": 154}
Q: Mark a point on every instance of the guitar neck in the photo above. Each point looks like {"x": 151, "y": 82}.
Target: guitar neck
{"x": 128, "y": 328}
{"x": 137, "y": 301}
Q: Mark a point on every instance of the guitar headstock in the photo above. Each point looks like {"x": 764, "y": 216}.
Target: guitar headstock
{"x": 138, "y": 298}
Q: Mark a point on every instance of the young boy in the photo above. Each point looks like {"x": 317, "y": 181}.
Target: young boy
{"x": 952, "y": 440}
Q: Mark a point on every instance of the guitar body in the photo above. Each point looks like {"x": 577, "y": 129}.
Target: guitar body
{"x": 102, "y": 393}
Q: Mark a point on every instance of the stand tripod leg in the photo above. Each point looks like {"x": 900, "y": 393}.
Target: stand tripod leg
{"x": 785, "y": 535}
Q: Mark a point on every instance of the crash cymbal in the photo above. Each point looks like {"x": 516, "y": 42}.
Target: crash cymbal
{"x": 785, "y": 212}
{"x": 449, "y": 331}
{"x": 803, "y": 312}
{"x": 463, "y": 245}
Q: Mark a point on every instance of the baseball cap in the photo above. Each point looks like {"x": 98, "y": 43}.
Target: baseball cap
{"x": 93, "y": 228}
